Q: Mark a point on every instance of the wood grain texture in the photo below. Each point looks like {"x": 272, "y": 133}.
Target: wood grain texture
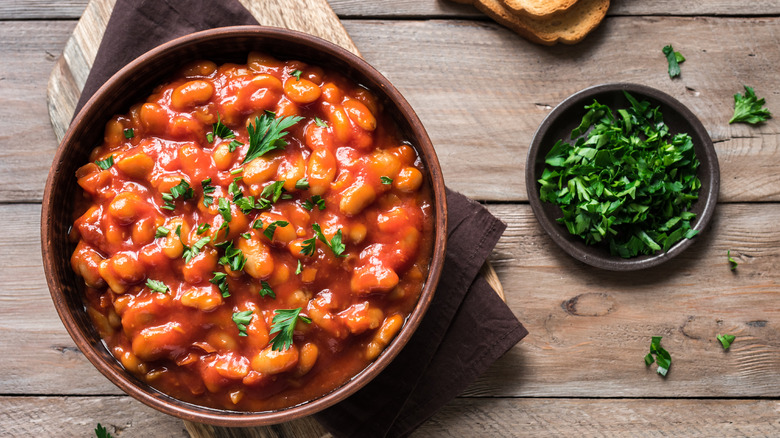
{"x": 589, "y": 329}
{"x": 72, "y": 9}
{"x": 463, "y": 417}
{"x": 481, "y": 92}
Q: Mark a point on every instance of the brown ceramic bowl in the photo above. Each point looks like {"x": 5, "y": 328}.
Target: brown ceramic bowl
{"x": 135, "y": 82}
{"x": 559, "y": 125}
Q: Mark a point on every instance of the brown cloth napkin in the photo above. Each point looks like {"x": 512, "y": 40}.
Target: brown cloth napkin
{"x": 467, "y": 326}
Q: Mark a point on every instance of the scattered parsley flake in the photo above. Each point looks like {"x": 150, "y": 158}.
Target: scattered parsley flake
{"x": 157, "y": 286}
{"x": 102, "y": 432}
{"x": 257, "y": 224}
{"x": 220, "y": 279}
{"x": 283, "y": 324}
{"x": 386, "y": 180}
{"x": 161, "y": 232}
{"x": 299, "y": 268}
{"x": 302, "y": 184}
{"x": 271, "y": 228}
{"x": 267, "y": 133}
{"x": 129, "y": 133}
{"x": 224, "y": 209}
{"x": 732, "y": 263}
{"x": 246, "y": 236}
{"x": 192, "y": 251}
{"x": 242, "y": 319}
{"x": 181, "y": 190}
{"x": 321, "y": 123}
{"x": 748, "y": 108}
{"x": 314, "y": 200}
{"x": 662, "y": 357}
{"x": 202, "y": 228}
{"x": 335, "y": 244}
{"x": 236, "y": 170}
{"x": 233, "y": 258}
{"x": 208, "y": 189}
{"x": 726, "y": 340}
{"x": 673, "y": 59}
{"x": 220, "y": 130}
{"x": 297, "y": 74}
{"x": 235, "y": 144}
{"x": 266, "y": 291}
{"x": 105, "y": 164}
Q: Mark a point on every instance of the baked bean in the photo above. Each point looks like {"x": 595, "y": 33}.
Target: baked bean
{"x": 372, "y": 278}
{"x": 383, "y": 336}
{"x": 223, "y": 158}
{"x": 361, "y": 317}
{"x": 307, "y": 358}
{"x": 269, "y": 361}
{"x": 290, "y": 171}
{"x": 154, "y": 118}
{"x": 338, "y": 120}
{"x": 156, "y": 342}
{"x": 360, "y": 114}
{"x": 191, "y": 93}
{"x": 356, "y": 198}
{"x": 201, "y": 266}
{"x": 321, "y": 172}
{"x": 384, "y": 164}
{"x": 199, "y": 69}
{"x": 409, "y": 179}
{"x": 143, "y": 231}
{"x": 137, "y": 165}
{"x": 115, "y": 132}
{"x": 130, "y": 361}
{"x": 101, "y": 322}
{"x": 261, "y": 62}
{"x": 260, "y": 171}
{"x": 86, "y": 262}
{"x": 120, "y": 271}
{"x": 259, "y": 261}
{"x": 318, "y": 137}
{"x": 331, "y": 93}
{"x": 301, "y": 91}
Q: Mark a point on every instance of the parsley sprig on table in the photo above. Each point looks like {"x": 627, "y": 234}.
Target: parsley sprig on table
{"x": 674, "y": 59}
{"x": 283, "y": 324}
{"x": 726, "y": 340}
{"x": 749, "y": 108}
{"x": 267, "y": 133}
{"x": 662, "y": 357}
{"x": 102, "y": 432}
{"x": 628, "y": 184}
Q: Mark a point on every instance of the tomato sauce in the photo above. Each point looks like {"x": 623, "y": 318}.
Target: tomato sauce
{"x": 191, "y": 253}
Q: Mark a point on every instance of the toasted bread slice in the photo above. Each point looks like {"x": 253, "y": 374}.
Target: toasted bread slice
{"x": 569, "y": 27}
{"x": 538, "y": 9}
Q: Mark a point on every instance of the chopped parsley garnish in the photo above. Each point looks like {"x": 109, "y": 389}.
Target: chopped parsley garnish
{"x": 283, "y": 324}
{"x": 224, "y": 209}
{"x": 220, "y": 130}
{"x": 192, "y": 251}
{"x": 272, "y": 191}
{"x": 236, "y": 171}
{"x": 161, "y": 232}
{"x": 386, "y": 180}
{"x": 271, "y": 228}
{"x": 748, "y": 108}
{"x": 220, "y": 279}
{"x": 225, "y": 226}
{"x": 102, "y": 432}
{"x": 321, "y": 123}
{"x": 181, "y": 190}
{"x": 674, "y": 59}
{"x": 726, "y": 340}
{"x": 157, "y": 286}
{"x": 335, "y": 244}
{"x": 242, "y": 319}
{"x": 297, "y": 74}
{"x": 235, "y": 144}
{"x": 257, "y": 224}
{"x": 246, "y": 236}
{"x": 732, "y": 263}
{"x": 235, "y": 190}
{"x": 202, "y": 228}
{"x": 266, "y": 291}
{"x": 208, "y": 189}
{"x": 233, "y": 258}
{"x": 662, "y": 357}
{"x": 628, "y": 184}
{"x": 129, "y": 133}
{"x": 302, "y": 184}
{"x": 314, "y": 200}
{"x": 299, "y": 268}
{"x": 266, "y": 134}
{"x": 105, "y": 164}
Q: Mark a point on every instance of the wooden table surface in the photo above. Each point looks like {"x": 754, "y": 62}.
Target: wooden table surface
{"x": 481, "y": 91}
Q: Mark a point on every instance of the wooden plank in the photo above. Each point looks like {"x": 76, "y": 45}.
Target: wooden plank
{"x": 463, "y": 417}
{"x": 589, "y": 329}
{"x": 598, "y": 418}
{"x": 72, "y": 9}
{"x": 481, "y": 92}
{"x": 122, "y": 416}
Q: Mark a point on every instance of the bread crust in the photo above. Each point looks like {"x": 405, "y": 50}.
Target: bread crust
{"x": 568, "y": 27}
{"x": 541, "y": 10}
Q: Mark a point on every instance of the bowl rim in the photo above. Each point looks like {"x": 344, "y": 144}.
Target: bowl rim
{"x": 188, "y": 411}
{"x": 709, "y": 165}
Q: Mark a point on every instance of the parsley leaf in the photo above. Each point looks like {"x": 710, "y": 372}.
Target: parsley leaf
{"x": 627, "y": 184}
{"x": 234, "y": 258}
{"x": 297, "y": 74}
{"x": 192, "y": 251}
{"x": 302, "y": 184}
{"x": 266, "y": 134}
{"x": 220, "y": 279}
{"x": 732, "y": 263}
{"x": 321, "y": 123}
{"x": 748, "y": 108}
{"x": 335, "y": 244}
{"x": 220, "y": 130}
{"x": 161, "y": 232}
{"x": 314, "y": 200}
{"x": 181, "y": 190}
{"x": 662, "y": 356}
{"x": 235, "y": 144}
{"x": 309, "y": 246}
{"x": 129, "y": 133}
{"x": 283, "y": 324}
{"x": 202, "y": 228}
{"x": 242, "y": 319}
{"x": 266, "y": 291}
{"x": 273, "y": 191}
{"x": 157, "y": 286}
{"x": 299, "y": 268}
{"x": 674, "y": 59}
{"x": 726, "y": 340}
{"x": 271, "y": 228}
{"x": 102, "y": 432}
{"x": 224, "y": 209}
{"x": 386, "y": 180}
{"x": 208, "y": 189}
{"x": 105, "y": 164}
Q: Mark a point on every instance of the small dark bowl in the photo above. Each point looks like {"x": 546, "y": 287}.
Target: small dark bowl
{"x": 135, "y": 82}
{"x": 559, "y": 125}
